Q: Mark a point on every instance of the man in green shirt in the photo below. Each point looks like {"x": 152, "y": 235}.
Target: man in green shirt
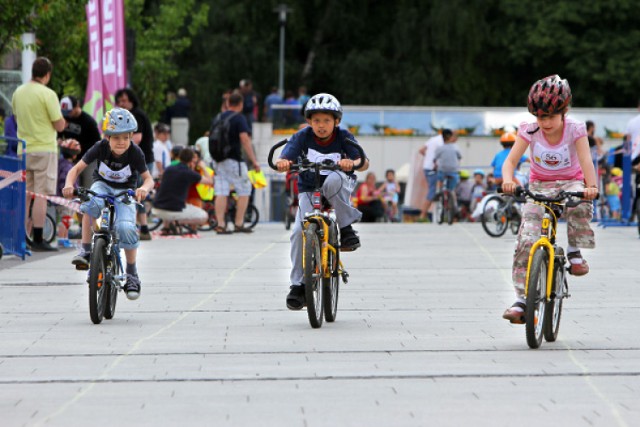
{"x": 38, "y": 114}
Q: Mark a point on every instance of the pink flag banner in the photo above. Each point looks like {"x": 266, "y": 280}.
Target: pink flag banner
{"x": 107, "y": 55}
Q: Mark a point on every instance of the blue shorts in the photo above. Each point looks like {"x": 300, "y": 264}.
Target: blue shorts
{"x": 452, "y": 181}
{"x": 432, "y": 181}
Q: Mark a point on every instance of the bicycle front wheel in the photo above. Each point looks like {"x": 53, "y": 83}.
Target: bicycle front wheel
{"x": 440, "y": 208}
{"x": 312, "y": 275}
{"x": 452, "y": 208}
{"x": 553, "y": 309}
{"x": 97, "y": 281}
{"x": 48, "y": 230}
{"x": 536, "y": 294}
{"x": 251, "y": 216}
{"x": 331, "y": 284}
{"x": 114, "y": 269}
{"x": 153, "y": 222}
{"x": 495, "y": 219}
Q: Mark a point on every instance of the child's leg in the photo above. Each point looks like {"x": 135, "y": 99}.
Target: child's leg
{"x": 579, "y": 232}
{"x": 527, "y": 236}
{"x": 296, "y": 239}
{"x": 337, "y": 188}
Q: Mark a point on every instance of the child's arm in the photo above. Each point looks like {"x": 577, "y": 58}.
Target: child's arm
{"x": 146, "y": 187}
{"x": 72, "y": 177}
{"x": 586, "y": 163}
{"x": 510, "y": 164}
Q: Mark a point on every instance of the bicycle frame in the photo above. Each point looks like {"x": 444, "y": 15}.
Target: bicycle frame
{"x": 547, "y": 240}
{"x": 107, "y": 231}
{"x": 322, "y": 219}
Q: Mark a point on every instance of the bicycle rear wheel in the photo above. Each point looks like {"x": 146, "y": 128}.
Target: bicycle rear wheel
{"x": 452, "y": 208}
{"x": 440, "y": 208}
{"x": 312, "y": 275}
{"x": 48, "y": 231}
{"x": 114, "y": 269}
{"x": 212, "y": 222}
{"x": 495, "y": 218}
{"x": 153, "y": 222}
{"x": 332, "y": 283}
{"x": 553, "y": 310}
{"x": 536, "y": 293}
{"x": 97, "y": 281}
{"x": 251, "y": 216}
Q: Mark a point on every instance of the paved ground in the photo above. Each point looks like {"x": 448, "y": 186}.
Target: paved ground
{"x": 419, "y": 338}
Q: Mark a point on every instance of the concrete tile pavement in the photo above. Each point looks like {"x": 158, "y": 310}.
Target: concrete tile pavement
{"x": 418, "y": 341}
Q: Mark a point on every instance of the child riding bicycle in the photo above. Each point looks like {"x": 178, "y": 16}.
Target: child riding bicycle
{"x": 323, "y": 139}
{"x": 119, "y": 162}
{"x": 560, "y": 161}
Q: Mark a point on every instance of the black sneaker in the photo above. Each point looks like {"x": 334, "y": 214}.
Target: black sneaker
{"x": 132, "y": 286}
{"x": 349, "y": 240}
{"x": 296, "y": 299}
{"x": 81, "y": 261}
{"x": 42, "y": 247}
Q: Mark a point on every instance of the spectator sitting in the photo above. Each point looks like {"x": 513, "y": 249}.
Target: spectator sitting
{"x": 194, "y": 196}
{"x": 479, "y": 188}
{"x": 369, "y": 202}
{"x": 69, "y": 151}
{"x": 464, "y": 193}
{"x": 175, "y": 154}
{"x": 170, "y": 201}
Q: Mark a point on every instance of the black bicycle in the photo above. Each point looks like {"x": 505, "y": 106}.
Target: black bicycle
{"x": 321, "y": 263}
{"x": 501, "y": 212}
{"x": 446, "y": 205}
{"x": 106, "y": 275}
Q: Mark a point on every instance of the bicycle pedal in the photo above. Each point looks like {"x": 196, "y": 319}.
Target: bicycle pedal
{"x": 345, "y": 277}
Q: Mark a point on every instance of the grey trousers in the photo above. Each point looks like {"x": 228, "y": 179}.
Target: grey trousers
{"x": 337, "y": 188}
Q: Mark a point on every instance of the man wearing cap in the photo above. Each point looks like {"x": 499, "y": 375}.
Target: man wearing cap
{"x": 81, "y": 127}
{"x": 38, "y": 116}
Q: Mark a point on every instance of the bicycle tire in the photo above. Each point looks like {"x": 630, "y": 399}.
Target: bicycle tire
{"x": 332, "y": 283}
{"x": 97, "y": 280}
{"x": 312, "y": 275}
{"x": 439, "y": 209}
{"x": 251, "y": 216}
{"x": 153, "y": 222}
{"x": 553, "y": 310}
{"x": 114, "y": 269}
{"x": 494, "y": 218}
{"x": 452, "y": 209}
{"x": 535, "y": 312}
{"x": 49, "y": 230}
{"x": 212, "y": 222}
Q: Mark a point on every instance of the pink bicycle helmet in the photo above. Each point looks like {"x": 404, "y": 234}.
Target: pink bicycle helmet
{"x": 551, "y": 95}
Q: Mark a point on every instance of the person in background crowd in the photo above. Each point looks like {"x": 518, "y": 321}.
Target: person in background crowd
{"x": 38, "y": 116}
{"x": 161, "y": 149}
{"x": 143, "y": 137}
{"x": 369, "y": 202}
{"x": 69, "y": 151}
{"x": 81, "y": 127}
{"x": 249, "y": 102}
{"x": 272, "y": 99}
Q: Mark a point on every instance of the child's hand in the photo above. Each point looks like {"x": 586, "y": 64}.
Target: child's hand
{"x": 346, "y": 164}
{"x": 68, "y": 192}
{"x": 508, "y": 187}
{"x": 141, "y": 194}
{"x": 283, "y": 165}
{"x": 590, "y": 193}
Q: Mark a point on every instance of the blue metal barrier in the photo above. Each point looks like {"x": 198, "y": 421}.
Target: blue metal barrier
{"x": 12, "y": 203}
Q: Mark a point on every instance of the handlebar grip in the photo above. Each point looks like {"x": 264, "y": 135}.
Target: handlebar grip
{"x": 360, "y": 151}
{"x": 272, "y": 150}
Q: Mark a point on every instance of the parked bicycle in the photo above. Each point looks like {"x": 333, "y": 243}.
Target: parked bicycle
{"x": 49, "y": 230}
{"x": 251, "y": 216}
{"x": 546, "y": 284}
{"x": 500, "y": 213}
{"x": 322, "y": 268}
{"x": 106, "y": 274}
{"x": 446, "y": 205}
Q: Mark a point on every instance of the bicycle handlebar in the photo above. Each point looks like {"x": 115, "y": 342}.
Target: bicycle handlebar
{"x": 83, "y": 193}
{"x": 305, "y": 164}
{"x": 563, "y": 195}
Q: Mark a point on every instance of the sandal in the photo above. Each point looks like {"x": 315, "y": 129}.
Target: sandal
{"x": 515, "y": 313}
{"x": 577, "y": 269}
{"x": 242, "y": 229}
{"x": 221, "y": 230}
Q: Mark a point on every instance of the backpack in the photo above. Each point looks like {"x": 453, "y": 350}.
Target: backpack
{"x": 219, "y": 143}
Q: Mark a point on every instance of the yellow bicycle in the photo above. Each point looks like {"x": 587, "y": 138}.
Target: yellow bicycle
{"x": 546, "y": 284}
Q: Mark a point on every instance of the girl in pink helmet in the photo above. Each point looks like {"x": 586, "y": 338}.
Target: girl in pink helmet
{"x": 560, "y": 161}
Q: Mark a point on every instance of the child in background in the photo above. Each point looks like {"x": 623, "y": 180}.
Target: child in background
{"x": 560, "y": 161}
{"x": 69, "y": 150}
{"x": 612, "y": 191}
{"x": 464, "y": 192}
{"x": 390, "y": 190}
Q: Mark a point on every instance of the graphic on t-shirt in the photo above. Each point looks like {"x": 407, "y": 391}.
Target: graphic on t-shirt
{"x": 109, "y": 174}
{"x": 318, "y": 157}
{"x": 552, "y": 159}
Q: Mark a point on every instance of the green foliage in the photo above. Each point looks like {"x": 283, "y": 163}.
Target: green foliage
{"x": 16, "y": 18}
{"x": 163, "y": 29}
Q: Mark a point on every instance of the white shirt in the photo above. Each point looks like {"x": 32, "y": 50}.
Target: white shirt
{"x": 161, "y": 154}
{"x": 633, "y": 129}
{"x": 429, "y": 157}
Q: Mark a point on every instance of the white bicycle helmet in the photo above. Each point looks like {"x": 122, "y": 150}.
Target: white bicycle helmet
{"x": 119, "y": 120}
{"x": 323, "y": 103}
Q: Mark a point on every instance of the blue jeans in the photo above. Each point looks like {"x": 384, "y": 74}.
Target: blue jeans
{"x": 452, "y": 182}
{"x": 432, "y": 181}
{"x": 125, "y": 222}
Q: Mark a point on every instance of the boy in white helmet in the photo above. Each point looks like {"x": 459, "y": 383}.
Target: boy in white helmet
{"x": 322, "y": 139}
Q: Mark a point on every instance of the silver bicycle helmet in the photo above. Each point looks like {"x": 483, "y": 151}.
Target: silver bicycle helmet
{"x": 323, "y": 103}
{"x": 119, "y": 120}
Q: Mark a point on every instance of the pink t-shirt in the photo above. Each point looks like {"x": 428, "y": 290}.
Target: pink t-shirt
{"x": 554, "y": 162}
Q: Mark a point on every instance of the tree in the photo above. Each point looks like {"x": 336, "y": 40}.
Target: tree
{"x": 16, "y": 18}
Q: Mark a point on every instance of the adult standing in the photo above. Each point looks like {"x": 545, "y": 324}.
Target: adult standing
{"x": 178, "y": 118}
{"x": 81, "y": 127}
{"x": 143, "y": 137}
{"x": 632, "y": 136}
{"x": 39, "y": 117}
{"x": 249, "y": 102}
{"x": 233, "y": 170}
{"x": 429, "y": 167}
{"x": 272, "y": 99}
